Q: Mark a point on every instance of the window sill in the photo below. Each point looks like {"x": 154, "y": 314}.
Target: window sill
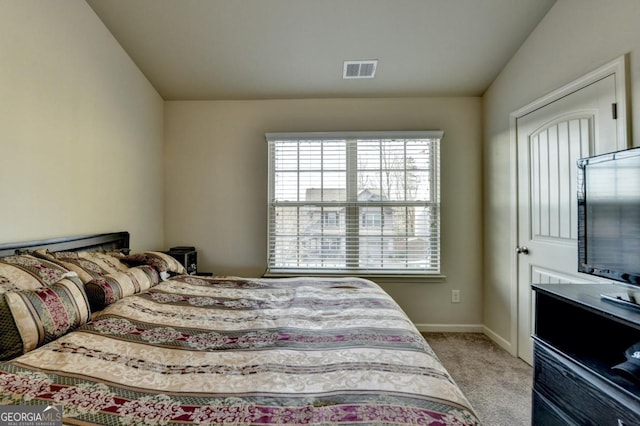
{"x": 379, "y": 278}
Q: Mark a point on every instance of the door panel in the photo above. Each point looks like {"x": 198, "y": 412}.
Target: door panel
{"x": 547, "y": 276}
{"x": 549, "y": 142}
{"x": 554, "y": 151}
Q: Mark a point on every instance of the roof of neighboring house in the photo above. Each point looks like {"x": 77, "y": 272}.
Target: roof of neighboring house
{"x": 326, "y": 194}
{"x": 340, "y": 194}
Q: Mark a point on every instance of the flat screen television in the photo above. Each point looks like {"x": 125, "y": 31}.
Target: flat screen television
{"x": 609, "y": 218}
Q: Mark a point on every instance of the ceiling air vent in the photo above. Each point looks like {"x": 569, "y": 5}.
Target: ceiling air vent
{"x": 360, "y": 69}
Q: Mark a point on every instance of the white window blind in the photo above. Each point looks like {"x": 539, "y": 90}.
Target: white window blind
{"x": 354, "y": 203}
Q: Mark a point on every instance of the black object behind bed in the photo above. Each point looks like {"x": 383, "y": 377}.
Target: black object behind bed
{"x": 108, "y": 241}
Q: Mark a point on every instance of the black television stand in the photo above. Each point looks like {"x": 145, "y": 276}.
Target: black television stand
{"x": 627, "y": 297}
{"x": 578, "y": 338}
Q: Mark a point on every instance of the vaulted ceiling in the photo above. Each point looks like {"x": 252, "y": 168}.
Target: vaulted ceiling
{"x": 284, "y": 49}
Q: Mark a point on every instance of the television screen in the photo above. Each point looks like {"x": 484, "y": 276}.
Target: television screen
{"x": 609, "y": 216}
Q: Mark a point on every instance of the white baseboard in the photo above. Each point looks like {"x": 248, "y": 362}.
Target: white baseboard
{"x": 500, "y": 341}
{"x": 450, "y": 328}
{"x": 468, "y": 328}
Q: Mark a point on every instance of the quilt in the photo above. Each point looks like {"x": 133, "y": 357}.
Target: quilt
{"x": 231, "y": 350}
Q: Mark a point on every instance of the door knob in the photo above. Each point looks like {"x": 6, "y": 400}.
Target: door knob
{"x": 522, "y": 250}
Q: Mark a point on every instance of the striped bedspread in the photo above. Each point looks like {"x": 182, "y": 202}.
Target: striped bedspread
{"x": 243, "y": 351}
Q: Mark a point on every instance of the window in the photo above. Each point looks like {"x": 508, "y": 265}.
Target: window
{"x": 330, "y": 219}
{"x": 371, "y": 220}
{"x": 354, "y": 203}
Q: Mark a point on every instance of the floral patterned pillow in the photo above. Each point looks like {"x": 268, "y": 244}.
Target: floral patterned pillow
{"x": 109, "y": 288}
{"x": 87, "y": 264}
{"x": 161, "y": 261}
{"x": 42, "y": 315}
{"x": 27, "y": 272}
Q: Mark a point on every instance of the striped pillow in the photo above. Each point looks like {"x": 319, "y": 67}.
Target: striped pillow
{"x": 27, "y": 272}
{"x": 44, "y": 314}
{"x": 109, "y": 288}
{"x": 87, "y": 264}
{"x": 159, "y": 260}
{"x": 10, "y": 341}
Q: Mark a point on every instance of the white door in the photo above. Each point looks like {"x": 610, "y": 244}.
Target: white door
{"x": 549, "y": 141}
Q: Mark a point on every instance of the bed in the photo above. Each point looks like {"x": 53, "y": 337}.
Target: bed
{"x": 111, "y": 337}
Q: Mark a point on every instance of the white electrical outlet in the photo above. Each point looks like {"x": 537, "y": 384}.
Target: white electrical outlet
{"x": 455, "y": 296}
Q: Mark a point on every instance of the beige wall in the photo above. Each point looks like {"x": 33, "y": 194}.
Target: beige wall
{"x": 576, "y": 37}
{"x": 216, "y": 185}
{"x": 81, "y": 129}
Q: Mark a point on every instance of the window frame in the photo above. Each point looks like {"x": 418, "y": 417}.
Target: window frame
{"x": 351, "y": 210}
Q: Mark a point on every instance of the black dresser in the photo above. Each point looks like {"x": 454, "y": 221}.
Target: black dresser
{"x": 578, "y": 338}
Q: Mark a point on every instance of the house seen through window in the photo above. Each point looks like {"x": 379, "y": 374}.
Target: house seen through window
{"x": 354, "y": 203}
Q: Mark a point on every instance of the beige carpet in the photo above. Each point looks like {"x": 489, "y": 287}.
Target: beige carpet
{"x": 497, "y": 385}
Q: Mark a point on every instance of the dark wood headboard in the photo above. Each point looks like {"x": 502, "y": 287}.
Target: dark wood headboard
{"x": 109, "y": 241}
